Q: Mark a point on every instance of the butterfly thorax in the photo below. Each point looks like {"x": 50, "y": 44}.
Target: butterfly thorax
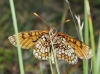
{"x": 52, "y": 33}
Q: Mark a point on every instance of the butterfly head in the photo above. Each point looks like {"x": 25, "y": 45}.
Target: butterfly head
{"x": 53, "y": 32}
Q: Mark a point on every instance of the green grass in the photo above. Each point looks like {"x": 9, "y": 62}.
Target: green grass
{"x": 89, "y": 30}
{"x": 86, "y": 36}
{"x": 41, "y": 71}
{"x": 17, "y": 39}
{"x": 51, "y": 67}
{"x": 92, "y": 44}
{"x": 98, "y": 57}
{"x": 55, "y": 58}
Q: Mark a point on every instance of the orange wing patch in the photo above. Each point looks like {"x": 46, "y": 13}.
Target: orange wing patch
{"x": 81, "y": 49}
{"x": 27, "y": 39}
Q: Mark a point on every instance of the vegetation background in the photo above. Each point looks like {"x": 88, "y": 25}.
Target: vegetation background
{"x": 51, "y": 11}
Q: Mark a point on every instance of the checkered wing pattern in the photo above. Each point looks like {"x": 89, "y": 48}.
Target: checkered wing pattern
{"x": 80, "y": 49}
{"x": 65, "y": 51}
{"x": 43, "y": 48}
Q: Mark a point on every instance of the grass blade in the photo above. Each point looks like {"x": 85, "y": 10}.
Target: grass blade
{"x": 55, "y": 58}
{"x": 98, "y": 57}
{"x": 92, "y": 44}
{"x": 16, "y": 32}
{"x": 86, "y": 35}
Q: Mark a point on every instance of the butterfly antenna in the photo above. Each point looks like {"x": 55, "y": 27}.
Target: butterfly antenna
{"x": 40, "y": 18}
{"x": 72, "y": 17}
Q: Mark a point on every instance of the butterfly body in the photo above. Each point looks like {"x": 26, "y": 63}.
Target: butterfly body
{"x": 66, "y": 47}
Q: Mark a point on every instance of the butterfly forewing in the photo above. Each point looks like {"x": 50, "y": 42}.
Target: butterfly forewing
{"x": 27, "y": 39}
{"x": 81, "y": 49}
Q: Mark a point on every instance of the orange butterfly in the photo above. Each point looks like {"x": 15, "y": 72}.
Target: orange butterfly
{"x": 67, "y": 48}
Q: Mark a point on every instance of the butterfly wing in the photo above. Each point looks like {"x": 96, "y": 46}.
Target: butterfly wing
{"x": 64, "y": 51}
{"x": 27, "y": 39}
{"x": 42, "y": 49}
{"x": 67, "y": 48}
{"x": 39, "y": 40}
{"x": 81, "y": 49}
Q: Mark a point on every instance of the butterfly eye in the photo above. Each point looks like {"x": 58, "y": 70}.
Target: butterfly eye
{"x": 54, "y": 31}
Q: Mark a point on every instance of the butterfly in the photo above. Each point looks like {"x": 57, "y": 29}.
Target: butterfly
{"x": 66, "y": 47}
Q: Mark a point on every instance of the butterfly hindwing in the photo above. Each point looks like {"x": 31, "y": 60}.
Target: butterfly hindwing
{"x": 64, "y": 51}
{"x": 42, "y": 49}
